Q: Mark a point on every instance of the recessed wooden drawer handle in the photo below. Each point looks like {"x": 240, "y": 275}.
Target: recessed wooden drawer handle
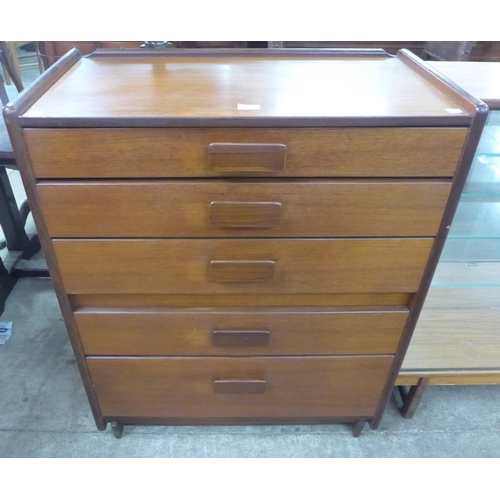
{"x": 241, "y": 271}
{"x": 245, "y": 214}
{"x": 239, "y": 386}
{"x": 235, "y": 158}
{"x": 240, "y": 338}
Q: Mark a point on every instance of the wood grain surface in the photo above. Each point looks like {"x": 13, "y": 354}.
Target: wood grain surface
{"x": 241, "y": 271}
{"x": 180, "y": 266}
{"x": 240, "y": 208}
{"x": 246, "y": 158}
{"x": 450, "y": 377}
{"x": 247, "y": 300}
{"x": 164, "y": 332}
{"x": 183, "y": 387}
{"x": 183, "y": 152}
{"x": 246, "y": 214}
{"x": 462, "y": 339}
{"x": 212, "y": 87}
{"x": 463, "y": 297}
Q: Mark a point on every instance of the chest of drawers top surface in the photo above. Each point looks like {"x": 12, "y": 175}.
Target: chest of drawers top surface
{"x": 251, "y": 86}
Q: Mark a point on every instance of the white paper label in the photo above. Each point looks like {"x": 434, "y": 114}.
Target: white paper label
{"x": 248, "y": 107}
{"x": 454, "y": 111}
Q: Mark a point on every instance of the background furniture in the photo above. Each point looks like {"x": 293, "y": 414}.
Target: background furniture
{"x": 52, "y": 51}
{"x": 390, "y": 47}
{"x": 448, "y": 51}
{"x": 12, "y": 217}
{"x": 8, "y": 70}
{"x": 16, "y": 60}
{"x": 457, "y": 338}
{"x": 481, "y": 51}
{"x": 4, "y": 98}
{"x": 273, "y": 268}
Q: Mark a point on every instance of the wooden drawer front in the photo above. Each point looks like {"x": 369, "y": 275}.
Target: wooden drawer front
{"x": 242, "y": 266}
{"x": 239, "y": 208}
{"x": 239, "y": 332}
{"x": 254, "y": 387}
{"x": 352, "y": 152}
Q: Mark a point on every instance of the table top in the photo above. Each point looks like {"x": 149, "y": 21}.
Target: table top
{"x": 250, "y": 85}
{"x": 457, "y": 331}
{"x": 481, "y": 79}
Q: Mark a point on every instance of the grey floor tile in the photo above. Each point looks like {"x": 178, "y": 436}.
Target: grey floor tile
{"x": 172, "y": 444}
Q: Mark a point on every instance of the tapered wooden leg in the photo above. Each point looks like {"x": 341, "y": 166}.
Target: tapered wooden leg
{"x": 357, "y": 428}
{"x": 412, "y": 398}
{"x": 117, "y": 428}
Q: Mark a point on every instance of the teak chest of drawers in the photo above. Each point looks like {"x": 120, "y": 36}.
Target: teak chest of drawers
{"x": 242, "y": 236}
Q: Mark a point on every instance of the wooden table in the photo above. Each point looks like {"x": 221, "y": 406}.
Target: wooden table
{"x": 457, "y": 338}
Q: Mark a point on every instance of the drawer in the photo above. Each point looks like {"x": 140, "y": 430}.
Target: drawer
{"x": 200, "y": 332}
{"x": 240, "y": 208}
{"x": 239, "y": 387}
{"x": 203, "y": 152}
{"x": 242, "y": 266}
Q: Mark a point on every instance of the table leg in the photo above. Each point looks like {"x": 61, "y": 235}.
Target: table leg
{"x": 7, "y": 283}
{"x": 412, "y": 398}
{"x": 10, "y": 218}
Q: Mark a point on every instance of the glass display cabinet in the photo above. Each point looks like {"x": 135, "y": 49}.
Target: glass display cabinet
{"x": 457, "y": 338}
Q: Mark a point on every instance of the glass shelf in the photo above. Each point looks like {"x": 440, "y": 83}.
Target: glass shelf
{"x": 484, "y": 178}
{"x": 471, "y": 255}
{"x": 458, "y": 274}
{"x": 476, "y": 218}
{"x": 489, "y": 144}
